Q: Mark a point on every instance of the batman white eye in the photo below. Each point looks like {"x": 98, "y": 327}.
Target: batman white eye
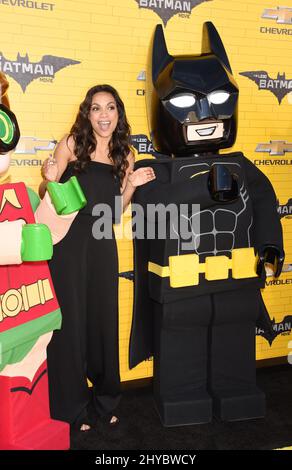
{"x": 218, "y": 97}
{"x": 183, "y": 101}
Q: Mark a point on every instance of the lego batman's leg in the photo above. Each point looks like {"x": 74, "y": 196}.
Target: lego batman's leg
{"x": 180, "y": 361}
{"x": 233, "y": 364}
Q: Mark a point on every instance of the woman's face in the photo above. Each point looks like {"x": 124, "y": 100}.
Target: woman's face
{"x": 103, "y": 114}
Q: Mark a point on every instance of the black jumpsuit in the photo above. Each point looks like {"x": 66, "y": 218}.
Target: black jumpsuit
{"x": 85, "y": 276}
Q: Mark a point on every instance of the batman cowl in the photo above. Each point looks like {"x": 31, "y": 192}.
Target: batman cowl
{"x": 191, "y": 99}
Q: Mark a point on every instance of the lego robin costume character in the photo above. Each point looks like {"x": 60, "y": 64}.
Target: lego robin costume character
{"x": 29, "y": 310}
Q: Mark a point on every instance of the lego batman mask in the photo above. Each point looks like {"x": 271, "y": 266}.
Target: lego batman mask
{"x": 191, "y": 99}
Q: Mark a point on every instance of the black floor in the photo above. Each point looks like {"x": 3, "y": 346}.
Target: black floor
{"x": 140, "y": 427}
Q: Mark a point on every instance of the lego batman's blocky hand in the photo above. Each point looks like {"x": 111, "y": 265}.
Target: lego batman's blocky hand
{"x": 271, "y": 254}
{"x": 36, "y": 244}
{"x": 67, "y": 197}
{"x": 223, "y": 185}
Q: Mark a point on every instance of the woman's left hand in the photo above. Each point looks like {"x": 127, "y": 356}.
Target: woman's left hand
{"x": 141, "y": 176}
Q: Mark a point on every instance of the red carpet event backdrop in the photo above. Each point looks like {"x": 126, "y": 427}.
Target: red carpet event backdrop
{"x": 53, "y": 52}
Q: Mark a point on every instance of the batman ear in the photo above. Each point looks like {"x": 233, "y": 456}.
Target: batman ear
{"x": 211, "y": 43}
{"x": 160, "y": 55}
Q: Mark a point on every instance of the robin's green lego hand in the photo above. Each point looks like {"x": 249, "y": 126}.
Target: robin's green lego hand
{"x": 67, "y": 197}
{"x": 36, "y": 244}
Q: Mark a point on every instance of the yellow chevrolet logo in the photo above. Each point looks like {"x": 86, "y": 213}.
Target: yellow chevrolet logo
{"x": 283, "y": 15}
{"x": 9, "y": 195}
{"x": 275, "y": 147}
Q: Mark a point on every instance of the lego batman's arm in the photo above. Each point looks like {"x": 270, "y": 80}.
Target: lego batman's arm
{"x": 268, "y": 234}
{"x": 161, "y": 190}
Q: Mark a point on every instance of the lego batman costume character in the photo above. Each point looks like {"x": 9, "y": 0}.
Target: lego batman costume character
{"x": 197, "y": 287}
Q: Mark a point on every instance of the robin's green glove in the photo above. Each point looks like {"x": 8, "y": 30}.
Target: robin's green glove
{"x": 36, "y": 244}
{"x": 66, "y": 197}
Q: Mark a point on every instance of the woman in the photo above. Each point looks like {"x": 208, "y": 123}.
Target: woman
{"x": 85, "y": 270}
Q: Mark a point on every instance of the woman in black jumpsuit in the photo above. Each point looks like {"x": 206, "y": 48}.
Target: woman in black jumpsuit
{"x": 85, "y": 269}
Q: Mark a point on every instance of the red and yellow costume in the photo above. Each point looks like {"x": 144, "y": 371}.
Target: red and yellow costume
{"x": 29, "y": 312}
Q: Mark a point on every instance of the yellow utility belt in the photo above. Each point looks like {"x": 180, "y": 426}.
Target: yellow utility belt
{"x": 184, "y": 270}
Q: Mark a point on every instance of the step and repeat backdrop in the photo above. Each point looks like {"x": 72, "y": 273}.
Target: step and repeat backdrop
{"x": 53, "y": 52}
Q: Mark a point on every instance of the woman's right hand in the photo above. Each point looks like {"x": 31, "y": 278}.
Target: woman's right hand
{"x": 49, "y": 170}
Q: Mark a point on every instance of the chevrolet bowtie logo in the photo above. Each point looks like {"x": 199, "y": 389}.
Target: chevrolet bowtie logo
{"x": 142, "y": 76}
{"x": 283, "y": 15}
{"x": 30, "y": 145}
{"x": 10, "y": 196}
{"x": 287, "y": 268}
{"x": 275, "y": 147}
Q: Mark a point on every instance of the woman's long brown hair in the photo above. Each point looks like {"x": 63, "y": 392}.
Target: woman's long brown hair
{"x": 85, "y": 142}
